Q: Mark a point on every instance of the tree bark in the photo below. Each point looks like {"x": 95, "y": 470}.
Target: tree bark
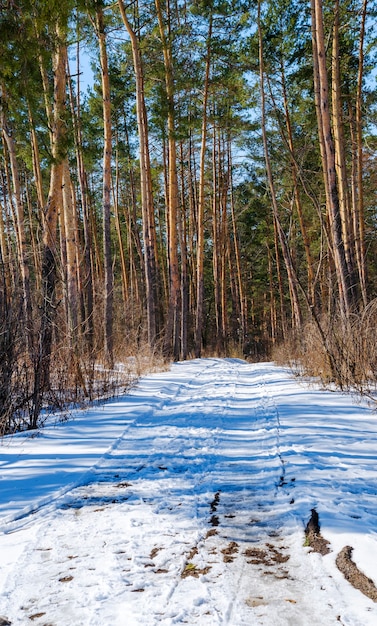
{"x": 328, "y": 158}
{"x": 149, "y": 233}
{"x": 71, "y": 243}
{"x": 106, "y": 193}
{"x": 8, "y": 136}
{"x": 340, "y": 157}
{"x": 292, "y": 280}
{"x": 201, "y": 202}
{"x": 54, "y": 201}
{"x": 358, "y": 217}
{"x": 172, "y": 334}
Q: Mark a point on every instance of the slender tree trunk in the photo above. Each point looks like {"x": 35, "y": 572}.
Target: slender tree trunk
{"x": 71, "y": 243}
{"x": 297, "y": 197}
{"x": 358, "y": 217}
{"x": 182, "y": 229}
{"x": 273, "y": 317}
{"x": 4, "y": 243}
{"x": 216, "y": 257}
{"x": 201, "y": 202}
{"x": 149, "y": 233}
{"x": 122, "y": 255}
{"x": 172, "y": 334}
{"x": 240, "y": 285}
{"x": 340, "y": 157}
{"x": 8, "y": 136}
{"x": 283, "y": 315}
{"x": 292, "y": 280}
{"x": 107, "y": 148}
{"x": 43, "y": 357}
{"x": 86, "y": 270}
{"x": 328, "y": 156}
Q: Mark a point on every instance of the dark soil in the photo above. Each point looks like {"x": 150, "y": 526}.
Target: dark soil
{"x": 313, "y": 535}
{"x": 229, "y": 552}
{"x": 354, "y": 576}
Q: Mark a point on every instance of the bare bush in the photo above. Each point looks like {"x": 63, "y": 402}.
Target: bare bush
{"x": 345, "y": 354}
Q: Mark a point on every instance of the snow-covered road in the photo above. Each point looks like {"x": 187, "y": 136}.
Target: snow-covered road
{"x": 185, "y": 502}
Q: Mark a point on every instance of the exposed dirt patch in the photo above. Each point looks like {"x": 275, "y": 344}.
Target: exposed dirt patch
{"x": 255, "y": 602}
{"x": 65, "y": 579}
{"x": 214, "y": 520}
{"x": 354, "y": 576}
{"x": 215, "y": 502}
{"x": 257, "y": 556}
{"x": 32, "y": 617}
{"x": 275, "y": 555}
{"x": 154, "y": 552}
{"x": 229, "y": 552}
{"x": 192, "y": 570}
{"x": 314, "y": 539}
{"x": 270, "y": 557}
{"x": 193, "y": 552}
{"x": 211, "y": 533}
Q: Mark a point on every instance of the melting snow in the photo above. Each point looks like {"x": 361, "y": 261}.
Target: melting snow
{"x": 185, "y": 502}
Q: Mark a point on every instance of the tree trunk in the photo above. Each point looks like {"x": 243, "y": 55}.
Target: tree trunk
{"x": 328, "y": 158}
{"x": 201, "y": 201}
{"x": 108, "y": 273}
{"x": 172, "y": 334}
{"x": 8, "y": 136}
{"x": 86, "y": 271}
{"x": 71, "y": 243}
{"x": 299, "y": 209}
{"x": 149, "y": 233}
{"x": 182, "y": 229}
{"x": 292, "y": 280}
{"x": 358, "y": 217}
{"x": 43, "y": 356}
{"x": 340, "y": 157}
{"x": 241, "y": 294}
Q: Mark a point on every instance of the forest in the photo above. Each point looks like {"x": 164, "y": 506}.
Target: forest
{"x": 182, "y": 179}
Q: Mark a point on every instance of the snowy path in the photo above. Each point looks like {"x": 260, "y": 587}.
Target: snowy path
{"x": 185, "y": 502}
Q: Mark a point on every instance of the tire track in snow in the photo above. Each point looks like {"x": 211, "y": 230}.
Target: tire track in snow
{"x": 45, "y": 505}
{"x": 207, "y": 433}
{"x": 204, "y": 484}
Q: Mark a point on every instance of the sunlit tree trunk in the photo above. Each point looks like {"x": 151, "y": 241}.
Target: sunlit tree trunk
{"x": 201, "y": 202}
{"x": 8, "y": 136}
{"x": 106, "y": 193}
{"x": 240, "y": 283}
{"x": 71, "y": 244}
{"x": 358, "y": 215}
{"x": 5, "y": 245}
{"x": 292, "y": 281}
{"x": 297, "y": 197}
{"x": 121, "y": 246}
{"x": 58, "y": 132}
{"x": 172, "y": 334}
{"x": 340, "y": 156}
{"x": 182, "y": 229}
{"x": 86, "y": 268}
{"x": 149, "y": 234}
{"x": 328, "y": 158}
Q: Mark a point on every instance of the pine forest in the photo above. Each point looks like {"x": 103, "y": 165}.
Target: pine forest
{"x": 184, "y": 178}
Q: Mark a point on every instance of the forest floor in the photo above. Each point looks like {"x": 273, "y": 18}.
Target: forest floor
{"x": 186, "y": 502}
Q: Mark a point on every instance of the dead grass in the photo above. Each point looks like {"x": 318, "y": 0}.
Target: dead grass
{"x": 346, "y": 354}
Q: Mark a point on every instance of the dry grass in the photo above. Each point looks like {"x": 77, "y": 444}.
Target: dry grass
{"x": 346, "y": 354}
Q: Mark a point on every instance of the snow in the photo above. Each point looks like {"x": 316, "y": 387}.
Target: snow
{"x": 185, "y": 502}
